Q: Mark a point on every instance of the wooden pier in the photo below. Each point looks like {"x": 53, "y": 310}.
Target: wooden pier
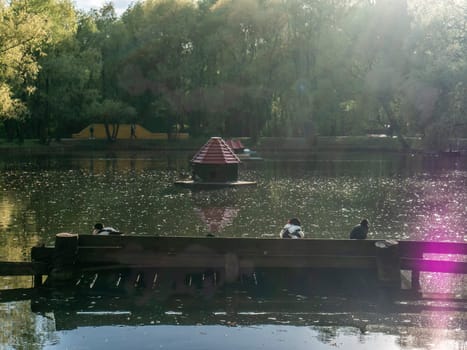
{"x": 228, "y": 260}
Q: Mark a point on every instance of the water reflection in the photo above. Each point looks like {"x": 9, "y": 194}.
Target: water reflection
{"x": 404, "y": 198}
{"x": 217, "y": 219}
{"x": 146, "y": 318}
{"x": 22, "y": 330}
{"x": 225, "y": 337}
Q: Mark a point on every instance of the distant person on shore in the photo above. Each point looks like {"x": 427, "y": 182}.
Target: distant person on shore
{"x": 293, "y": 229}
{"x": 133, "y": 131}
{"x": 99, "y": 229}
{"x": 91, "y": 132}
{"x": 360, "y": 231}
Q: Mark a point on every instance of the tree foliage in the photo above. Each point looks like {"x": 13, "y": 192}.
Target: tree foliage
{"x": 23, "y": 33}
{"x": 238, "y": 67}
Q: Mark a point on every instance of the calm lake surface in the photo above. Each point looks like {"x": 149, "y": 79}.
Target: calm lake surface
{"x": 404, "y": 197}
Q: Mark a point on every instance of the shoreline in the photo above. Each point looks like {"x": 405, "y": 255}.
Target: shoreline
{"x": 321, "y": 144}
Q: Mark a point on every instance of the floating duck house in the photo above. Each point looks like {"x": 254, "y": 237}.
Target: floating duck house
{"x": 236, "y": 145}
{"x": 215, "y": 164}
{"x": 241, "y": 151}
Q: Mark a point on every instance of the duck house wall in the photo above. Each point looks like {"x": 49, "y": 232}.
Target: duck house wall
{"x": 215, "y": 172}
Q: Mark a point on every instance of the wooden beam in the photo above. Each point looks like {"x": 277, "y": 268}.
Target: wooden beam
{"x": 240, "y": 246}
{"x": 22, "y": 268}
{"x": 434, "y": 265}
{"x": 268, "y": 246}
{"x": 44, "y": 254}
{"x": 412, "y": 249}
{"x": 199, "y": 260}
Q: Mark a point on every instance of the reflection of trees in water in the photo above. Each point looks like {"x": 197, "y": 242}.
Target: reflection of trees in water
{"x": 7, "y": 207}
{"x": 74, "y": 200}
{"x": 16, "y": 222}
{"x": 22, "y": 329}
{"x": 327, "y": 334}
{"x": 111, "y": 162}
{"x": 431, "y": 338}
{"x": 144, "y": 200}
{"x": 442, "y": 201}
{"x": 335, "y": 320}
{"x": 330, "y": 206}
{"x": 327, "y": 207}
{"x": 38, "y": 203}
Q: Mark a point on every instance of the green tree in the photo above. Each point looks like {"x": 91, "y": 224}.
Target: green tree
{"x": 239, "y": 59}
{"x": 112, "y": 113}
{"x": 60, "y": 77}
{"x": 439, "y": 73}
{"x": 156, "y": 69}
{"x": 24, "y": 29}
{"x": 237, "y": 68}
{"x": 382, "y": 62}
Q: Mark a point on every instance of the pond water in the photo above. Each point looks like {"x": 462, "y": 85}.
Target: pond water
{"x": 403, "y": 196}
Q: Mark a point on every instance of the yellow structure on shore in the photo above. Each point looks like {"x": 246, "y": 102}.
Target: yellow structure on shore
{"x": 97, "y": 131}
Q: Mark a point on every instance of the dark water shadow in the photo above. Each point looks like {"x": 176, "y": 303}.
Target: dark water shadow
{"x": 262, "y": 297}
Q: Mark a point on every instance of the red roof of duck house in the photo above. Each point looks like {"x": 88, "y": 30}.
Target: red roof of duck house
{"x": 235, "y": 144}
{"x": 215, "y": 151}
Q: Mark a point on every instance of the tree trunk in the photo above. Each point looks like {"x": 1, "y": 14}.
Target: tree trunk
{"x": 115, "y": 128}
{"x": 107, "y": 131}
{"x": 395, "y": 125}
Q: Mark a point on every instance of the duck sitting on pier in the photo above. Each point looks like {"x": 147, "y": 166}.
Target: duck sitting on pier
{"x": 293, "y": 229}
{"x": 99, "y": 229}
{"x": 360, "y": 231}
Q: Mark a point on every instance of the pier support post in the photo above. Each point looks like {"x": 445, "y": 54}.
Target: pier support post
{"x": 232, "y": 268}
{"x": 388, "y": 263}
{"x": 37, "y": 281}
{"x": 65, "y": 255}
{"x": 35, "y": 257}
{"x": 415, "y": 280}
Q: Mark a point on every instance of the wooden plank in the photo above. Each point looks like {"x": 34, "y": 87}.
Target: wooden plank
{"x": 255, "y": 244}
{"x": 213, "y": 260}
{"x": 252, "y": 246}
{"x": 434, "y": 265}
{"x": 316, "y": 261}
{"x": 270, "y": 246}
{"x": 42, "y": 253}
{"x": 418, "y": 248}
{"x": 22, "y": 268}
